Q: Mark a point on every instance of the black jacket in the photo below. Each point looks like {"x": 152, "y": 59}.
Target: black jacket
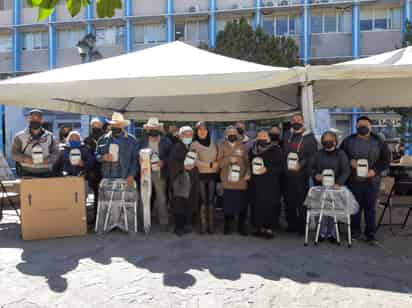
{"x": 373, "y": 149}
{"x": 305, "y": 145}
{"x": 335, "y": 160}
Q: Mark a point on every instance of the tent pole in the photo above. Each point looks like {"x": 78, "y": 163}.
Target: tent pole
{"x": 307, "y": 106}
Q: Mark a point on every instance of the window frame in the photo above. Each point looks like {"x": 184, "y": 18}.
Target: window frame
{"x": 389, "y": 20}
{"x": 273, "y": 19}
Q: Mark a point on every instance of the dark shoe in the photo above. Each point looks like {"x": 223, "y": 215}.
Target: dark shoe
{"x": 321, "y": 239}
{"x": 356, "y": 235}
{"x": 291, "y": 230}
{"x": 179, "y": 232}
{"x": 269, "y": 235}
{"x": 371, "y": 240}
{"x": 332, "y": 240}
{"x": 258, "y": 233}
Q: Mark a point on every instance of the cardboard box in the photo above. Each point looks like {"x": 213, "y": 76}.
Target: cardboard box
{"x": 52, "y": 207}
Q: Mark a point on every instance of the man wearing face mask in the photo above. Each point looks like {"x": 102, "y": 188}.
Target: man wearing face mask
{"x": 117, "y": 151}
{"x": 35, "y": 149}
{"x": 94, "y": 175}
{"x": 299, "y": 147}
{"x": 75, "y": 159}
{"x": 160, "y": 147}
{"x": 184, "y": 181}
{"x": 369, "y": 156}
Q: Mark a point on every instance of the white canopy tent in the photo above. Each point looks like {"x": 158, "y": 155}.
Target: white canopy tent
{"x": 384, "y": 80}
{"x": 173, "y": 81}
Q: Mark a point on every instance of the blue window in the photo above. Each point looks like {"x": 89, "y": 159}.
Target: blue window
{"x": 281, "y": 26}
{"x": 316, "y": 24}
{"x": 268, "y": 26}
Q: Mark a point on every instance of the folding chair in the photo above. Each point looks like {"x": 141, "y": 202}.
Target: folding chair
{"x": 389, "y": 199}
{"x": 6, "y": 179}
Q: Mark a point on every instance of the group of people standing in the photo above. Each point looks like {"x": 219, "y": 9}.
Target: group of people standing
{"x": 190, "y": 170}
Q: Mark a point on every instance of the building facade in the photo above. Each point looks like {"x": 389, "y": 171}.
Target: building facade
{"x": 326, "y": 31}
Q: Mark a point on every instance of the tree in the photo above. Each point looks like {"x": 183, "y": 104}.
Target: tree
{"x": 105, "y": 8}
{"x": 407, "y": 35}
{"x": 238, "y": 40}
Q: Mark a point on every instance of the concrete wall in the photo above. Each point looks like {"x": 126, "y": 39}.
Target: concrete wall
{"x": 324, "y": 45}
{"x": 29, "y": 17}
{"x": 151, "y": 7}
{"x": 6, "y": 17}
{"x": 6, "y": 62}
{"x": 379, "y": 41}
{"x": 228, "y": 4}
{"x": 108, "y": 52}
{"x": 34, "y": 60}
{"x": 67, "y": 57}
{"x": 63, "y": 14}
{"x": 182, "y": 6}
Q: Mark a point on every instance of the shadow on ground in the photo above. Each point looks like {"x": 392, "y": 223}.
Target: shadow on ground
{"x": 386, "y": 267}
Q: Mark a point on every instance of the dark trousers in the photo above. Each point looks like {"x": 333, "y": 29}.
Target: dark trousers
{"x": 207, "y": 192}
{"x": 366, "y": 193}
{"x": 295, "y": 189}
{"x": 182, "y": 212}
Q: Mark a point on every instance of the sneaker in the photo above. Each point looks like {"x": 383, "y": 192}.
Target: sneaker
{"x": 179, "y": 232}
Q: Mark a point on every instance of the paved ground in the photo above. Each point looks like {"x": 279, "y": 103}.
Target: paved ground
{"x": 162, "y": 270}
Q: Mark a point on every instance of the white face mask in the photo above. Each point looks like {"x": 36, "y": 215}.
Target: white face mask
{"x": 187, "y": 140}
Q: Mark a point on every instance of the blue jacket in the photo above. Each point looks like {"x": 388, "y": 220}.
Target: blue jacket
{"x": 164, "y": 150}
{"x": 86, "y": 156}
{"x": 128, "y": 156}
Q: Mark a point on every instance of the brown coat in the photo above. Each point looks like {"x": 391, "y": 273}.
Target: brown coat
{"x": 238, "y": 152}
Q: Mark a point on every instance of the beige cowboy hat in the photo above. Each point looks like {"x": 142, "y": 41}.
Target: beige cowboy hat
{"x": 153, "y": 123}
{"x": 117, "y": 118}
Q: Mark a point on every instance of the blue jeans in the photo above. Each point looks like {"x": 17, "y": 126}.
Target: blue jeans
{"x": 327, "y": 227}
{"x": 366, "y": 193}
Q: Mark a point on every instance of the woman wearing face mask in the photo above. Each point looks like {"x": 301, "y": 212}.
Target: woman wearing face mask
{"x": 266, "y": 160}
{"x": 75, "y": 158}
{"x": 235, "y": 174}
{"x": 330, "y": 158}
{"x": 208, "y": 166}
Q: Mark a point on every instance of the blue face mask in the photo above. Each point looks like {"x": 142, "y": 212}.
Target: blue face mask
{"x": 74, "y": 143}
{"x": 187, "y": 140}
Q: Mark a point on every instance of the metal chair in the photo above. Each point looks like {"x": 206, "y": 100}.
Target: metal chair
{"x": 389, "y": 199}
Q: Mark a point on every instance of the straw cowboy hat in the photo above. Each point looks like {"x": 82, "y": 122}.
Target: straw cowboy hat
{"x": 153, "y": 123}
{"x": 117, "y": 118}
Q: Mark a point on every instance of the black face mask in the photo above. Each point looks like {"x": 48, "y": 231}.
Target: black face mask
{"x": 261, "y": 143}
{"x": 297, "y": 126}
{"x": 35, "y": 125}
{"x": 232, "y": 138}
{"x": 274, "y": 137}
{"x": 153, "y": 133}
{"x": 240, "y": 130}
{"x": 363, "y": 130}
{"x": 116, "y": 131}
{"x": 97, "y": 131}
{"x": 328, "y": 145}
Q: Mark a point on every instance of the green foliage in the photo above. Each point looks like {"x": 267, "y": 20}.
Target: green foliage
{"x": 238, "y": 40}
{"x": 105, "y": 8}
{"x": 407, "y": 35}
